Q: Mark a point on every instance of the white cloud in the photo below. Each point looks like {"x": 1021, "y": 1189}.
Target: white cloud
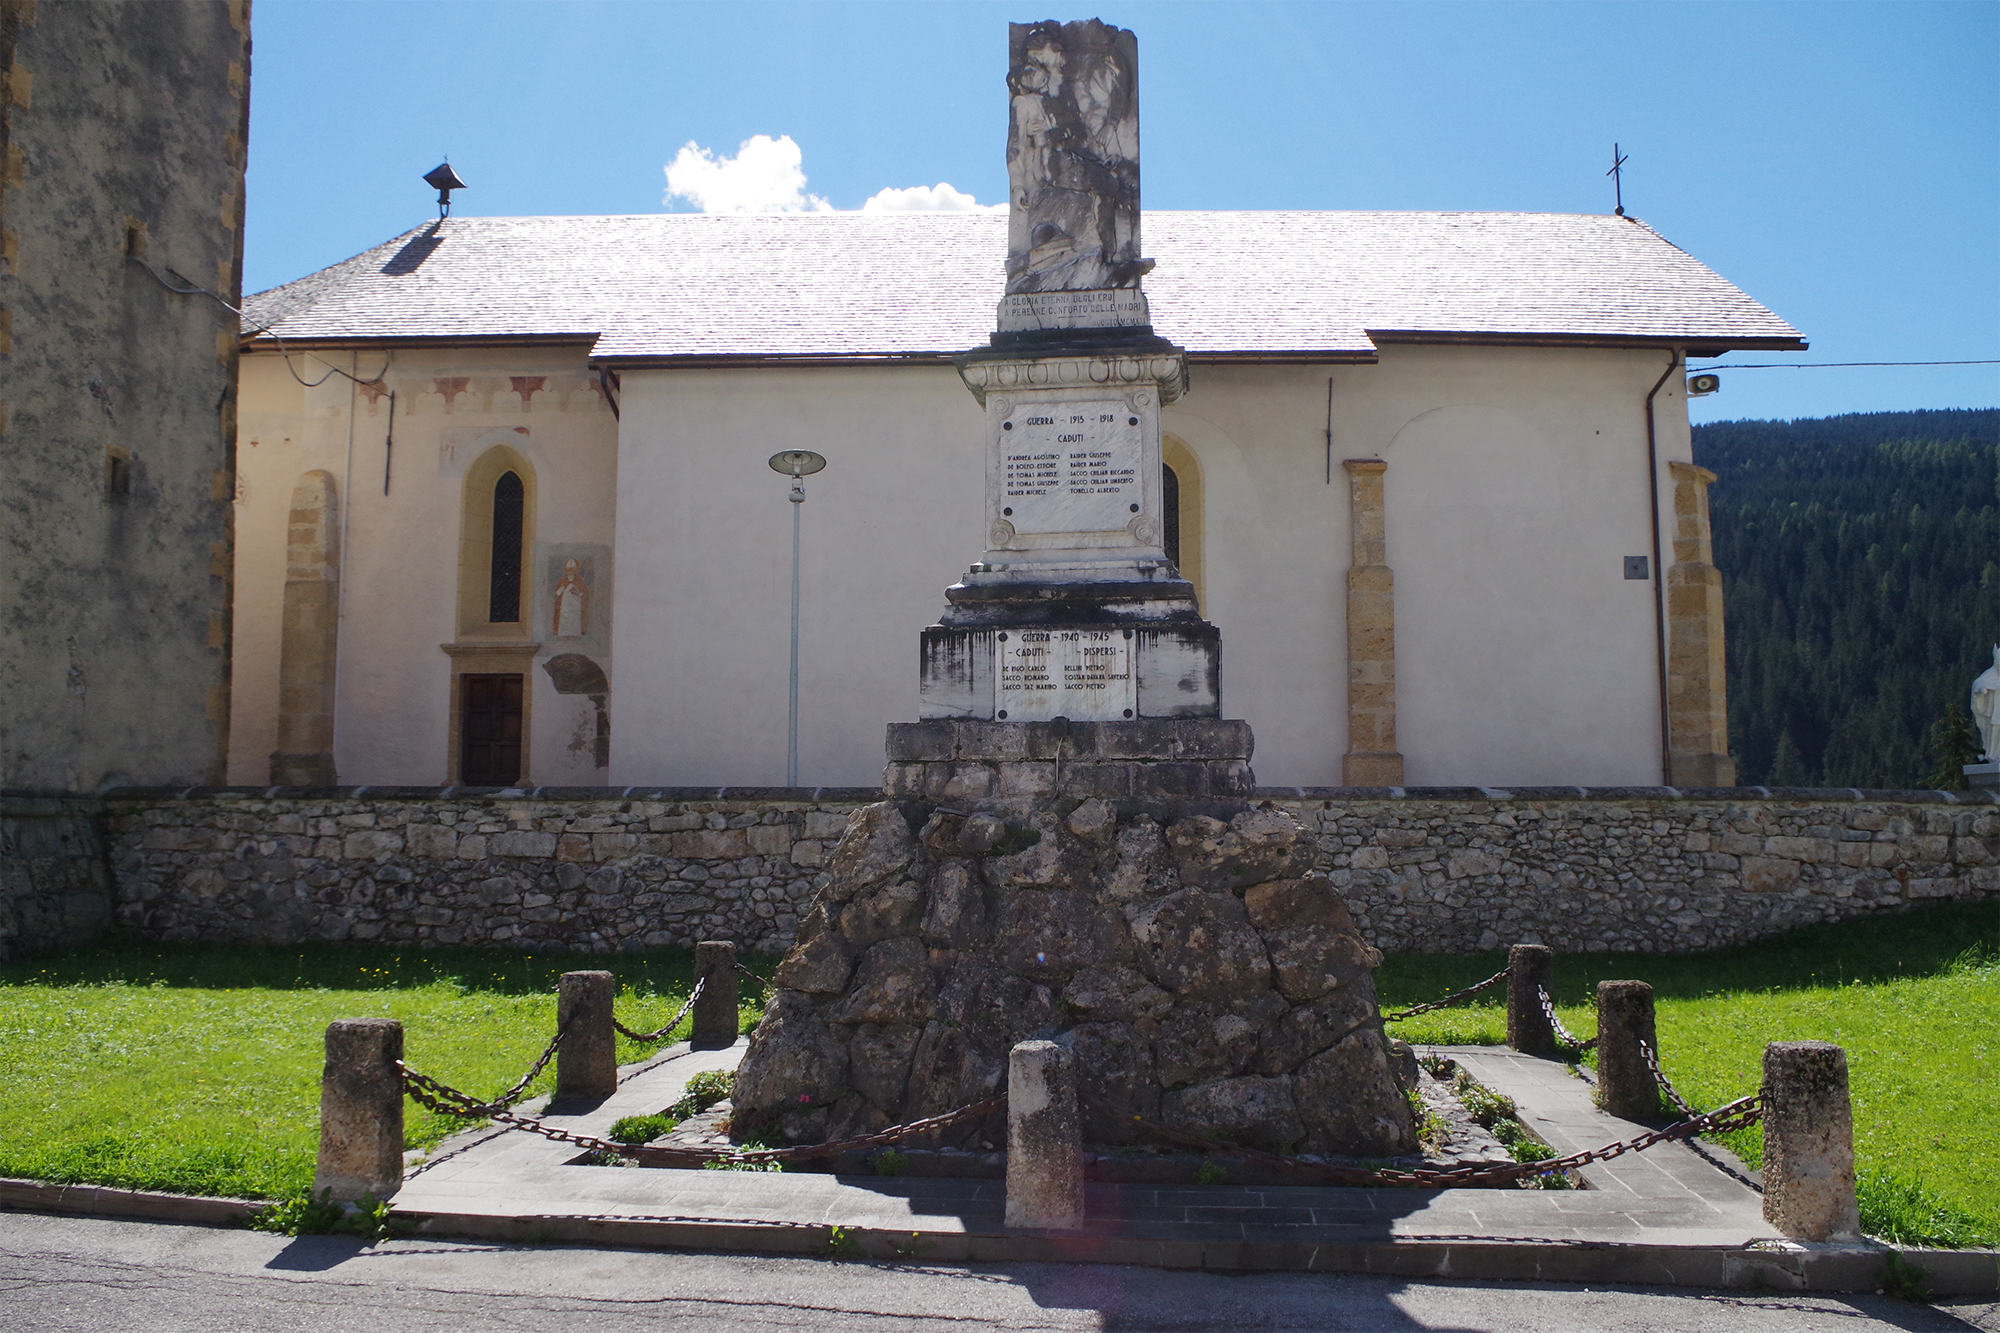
{"x": 763, "y": 177}
{"x": 939, "y": 198}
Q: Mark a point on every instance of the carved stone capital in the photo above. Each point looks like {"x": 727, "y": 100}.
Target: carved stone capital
{"x": 1164, "y": 371}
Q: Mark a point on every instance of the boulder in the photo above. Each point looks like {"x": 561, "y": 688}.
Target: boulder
{"x": 879, "y": 1058}
{"x": 1311, "y": 939}
{"x": 1198, "y": 1043}
{"x": 1349, "y": 1101}
{"x": 955, "y": 917}
{"x": 794, "y": 1059}
{"x": 1114, "y": 994}
{"x": 891, "y": 985}
{"x": 877, "y": 844}
{"x": 885, "y": 914}
{"x": 1305, "y": 1030}
{"x": 1196, "y": 943}
{"x": 1256, "y": 1112}
{"x": 820, "y": 963}
{"x": 1255, "y": 846}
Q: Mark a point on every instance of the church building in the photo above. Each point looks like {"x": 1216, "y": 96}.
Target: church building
{"x": 504, "y": 514}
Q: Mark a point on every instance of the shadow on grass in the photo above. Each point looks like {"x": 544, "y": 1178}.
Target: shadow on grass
{"x": 356, "y": 967}
{"x": 1920, "y": 943}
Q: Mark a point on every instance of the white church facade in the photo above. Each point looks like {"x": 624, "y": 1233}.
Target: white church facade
{"x": 529, "y": 537}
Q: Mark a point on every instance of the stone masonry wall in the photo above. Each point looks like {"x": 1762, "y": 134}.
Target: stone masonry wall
{"x": 1645, "y": 870}
{"x": 55, "y": 889}
{"x": 1438, "y": 870}
{"x": 599, "y": 871}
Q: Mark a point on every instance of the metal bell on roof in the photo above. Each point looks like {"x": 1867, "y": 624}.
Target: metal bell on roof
{"x": 444, "y": 180}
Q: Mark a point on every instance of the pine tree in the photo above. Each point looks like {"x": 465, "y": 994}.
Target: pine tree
{"x": 1787, "y": 769}
{"x": 1953, "y": 744}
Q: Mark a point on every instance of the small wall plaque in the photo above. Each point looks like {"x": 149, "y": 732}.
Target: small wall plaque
{"x": 1084, "y": 675}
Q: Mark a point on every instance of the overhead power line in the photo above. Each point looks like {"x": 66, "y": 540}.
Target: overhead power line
{"x": 1836, "y": 365}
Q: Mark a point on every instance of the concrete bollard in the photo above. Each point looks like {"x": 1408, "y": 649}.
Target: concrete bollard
{"x": 361, "y": 1110}
{"x": 1044, "y": 1138}
{"x": 1530, "y": 967}
{"x": 1808, "y": 1142}
{"x": 715, "y": 1008}
{"x": 1625, "y": 1086}
{"x": 587, "y": 1059}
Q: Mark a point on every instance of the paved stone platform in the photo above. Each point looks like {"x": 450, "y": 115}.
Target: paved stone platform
{"x": 1670, "y": 1215}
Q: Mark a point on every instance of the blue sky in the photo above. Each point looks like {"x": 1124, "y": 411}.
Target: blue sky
{"x": 1838, "y": 161}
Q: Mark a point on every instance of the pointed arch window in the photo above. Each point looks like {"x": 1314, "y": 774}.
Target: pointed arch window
{"x": 504, "y": 579}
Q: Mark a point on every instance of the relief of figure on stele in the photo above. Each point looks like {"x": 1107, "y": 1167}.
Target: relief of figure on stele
{"x": 1073, "y": 159}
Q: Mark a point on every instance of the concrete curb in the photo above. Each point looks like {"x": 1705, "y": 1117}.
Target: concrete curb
{"x": 1766, "y": 1265}
{"x": 35, "y": 1196}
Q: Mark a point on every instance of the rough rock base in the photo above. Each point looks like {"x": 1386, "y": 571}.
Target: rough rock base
{"x": 1199, "y": 970}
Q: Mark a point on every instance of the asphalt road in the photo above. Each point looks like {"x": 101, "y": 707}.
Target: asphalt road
{"x": 64, "y": 1273}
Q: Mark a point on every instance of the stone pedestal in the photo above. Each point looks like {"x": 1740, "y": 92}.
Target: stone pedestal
{"x": 1074, "y": 611}
{"x": 1979, "y": 776}
{"x": 1017, "y": 763}
{"x": 587, "y": 1059}
{"x": 715, "y": 1007}
{"x": 361, "y": 1110}
{"x": 1625, "y": 1085}
{"x": 1190, "y": 959}
{"x": 1808, "y": 1142}
{"x": 1530, "y": 969}
{"x": 1044, "y": 1139}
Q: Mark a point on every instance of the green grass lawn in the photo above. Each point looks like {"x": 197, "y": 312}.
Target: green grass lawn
{"x": 1914, "y": 999}
{"x": 195, "y": 1068}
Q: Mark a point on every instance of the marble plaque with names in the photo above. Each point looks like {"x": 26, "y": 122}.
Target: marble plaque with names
{"x": 1070, "y": 467}
{"x": 1084, "y": 675}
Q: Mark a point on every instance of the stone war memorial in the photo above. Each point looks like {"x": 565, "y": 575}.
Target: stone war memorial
{"x": 1069, "y": 850}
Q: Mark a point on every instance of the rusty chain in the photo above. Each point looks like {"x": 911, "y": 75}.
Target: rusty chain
{"x": 1659, "y": 1077}
{"x": 1736, "y": 1115}
{"x": 1563, "y": 1034}
{"x": 1456, "y": 997}
{"x": 893, "y": 1134}
{"x": 514, "y": 1094}
{"x": 660, "y": 1033}
{"x": 447, "y": 1100}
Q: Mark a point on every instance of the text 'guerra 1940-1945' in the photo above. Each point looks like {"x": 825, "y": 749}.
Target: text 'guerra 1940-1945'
{"x": 1080, "y": 674}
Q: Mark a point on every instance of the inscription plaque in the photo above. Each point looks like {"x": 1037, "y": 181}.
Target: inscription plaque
{"x": 1115, "y": 307}
{"x": 1070, "y": 467}
{"x": 1084, "y": 675}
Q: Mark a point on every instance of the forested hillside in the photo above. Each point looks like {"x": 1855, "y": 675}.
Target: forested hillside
{"x": 1860, "y": 558}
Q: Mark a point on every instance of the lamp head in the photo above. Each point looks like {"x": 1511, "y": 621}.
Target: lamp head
{"x": 796, "y": 462}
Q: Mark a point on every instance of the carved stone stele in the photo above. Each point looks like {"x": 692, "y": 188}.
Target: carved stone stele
{"x": 1073, "y": 158}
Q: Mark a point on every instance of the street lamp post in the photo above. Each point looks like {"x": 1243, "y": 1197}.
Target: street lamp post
{"x": 798, "y": 464}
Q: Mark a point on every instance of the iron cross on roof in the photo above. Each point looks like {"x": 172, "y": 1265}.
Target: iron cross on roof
{"x": 1617, "y": 174}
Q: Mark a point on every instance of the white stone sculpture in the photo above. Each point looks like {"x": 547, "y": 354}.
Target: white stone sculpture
{"x": 1986, "y": 707}
{"x": 1073, "y": 158}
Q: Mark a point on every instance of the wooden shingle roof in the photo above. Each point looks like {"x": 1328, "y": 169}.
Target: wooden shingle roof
{"x": 676, "y": 287}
